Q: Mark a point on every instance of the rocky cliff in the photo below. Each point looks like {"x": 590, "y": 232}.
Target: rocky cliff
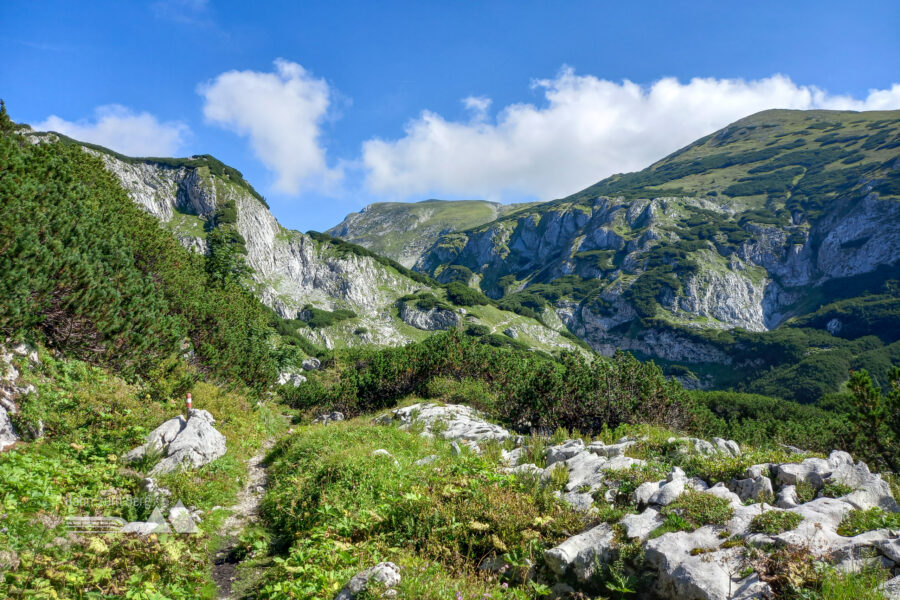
{"x": 739, "y": 230}
{"x": 290, "y": 270}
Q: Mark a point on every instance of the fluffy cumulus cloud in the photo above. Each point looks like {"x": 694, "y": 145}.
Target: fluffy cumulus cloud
{"x": 587, "y": 129}
{"x": 123, "y": 130}
{"x": 281, "y": 113}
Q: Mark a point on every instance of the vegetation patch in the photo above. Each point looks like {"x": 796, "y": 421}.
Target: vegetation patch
{"x": 693, "y": 510}
{"x": 773, "y": 522}
{"x": 860, "y": 521}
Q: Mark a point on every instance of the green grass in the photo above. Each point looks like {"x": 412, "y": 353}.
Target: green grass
{"x": 91, "y": 418}
{"x": 861, "y": 521}
{"x": 339, "y": 509}
{"x": 773, "y": 522}
{"x": 693, "y": 510}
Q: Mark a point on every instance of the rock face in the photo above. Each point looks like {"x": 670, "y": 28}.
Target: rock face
{"x": 290, "y": 269}
{"x": 433, "y": 319}
{"x": 182, "y": 443}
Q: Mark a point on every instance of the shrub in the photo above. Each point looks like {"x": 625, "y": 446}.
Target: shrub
{"x": 478, "y": 330}
{"x": 317, "y": 318}
{"x": 462, "y": 295}
{"x": 773, "y": 522}
{"x": 528, "y": 388}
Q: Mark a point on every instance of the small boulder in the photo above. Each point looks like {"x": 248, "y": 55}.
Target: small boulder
{"x": 583, "y": 503}
{"x": 182, "y": 443}
{"x": 583, "y": 554}
{"x": 311, "y": 364}
{"x": 326, "y": 418}
{"x": 668, "y": 493}
{"x": 289, "y": 377}
{"x": 564, "y": 451}
{"x": 758, "y": 488}
{"x": 787, "y": 497}
{"x": 386, "y": 574}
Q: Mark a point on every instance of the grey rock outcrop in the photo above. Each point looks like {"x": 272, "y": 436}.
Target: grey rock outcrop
{"x": 450, "y": 421}
{"x": 326, "y": 418}
{"x": 182, "y": 443}
{"x": 433, "y": 319}
{"x": 289, "y": 377}
{"x": 582, "y": 554}
{"x": 311, "y": 364}
{"x": 385, "y": 574}
{"x": 11, "y": 393}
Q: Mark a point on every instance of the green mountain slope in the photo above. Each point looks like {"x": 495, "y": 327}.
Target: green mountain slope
{"x": 403, "y": 230}
{"x": 762, "y": 222}
{"x": 326, "y": 293}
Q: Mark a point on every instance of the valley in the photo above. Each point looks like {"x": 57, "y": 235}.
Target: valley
{"x": 678, "y": 383}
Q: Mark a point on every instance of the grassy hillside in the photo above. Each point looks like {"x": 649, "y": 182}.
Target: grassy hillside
{"x": 403, "y": 230}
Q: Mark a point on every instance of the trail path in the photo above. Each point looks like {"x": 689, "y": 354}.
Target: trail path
{"x": 244, "y": 512}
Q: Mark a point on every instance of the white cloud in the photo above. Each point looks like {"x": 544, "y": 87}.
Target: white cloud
{"x": 281, "y": 113}
{"x": 590, "y": 128}
{"x": 189, "y": 12}
{"x": 122, "y": 130}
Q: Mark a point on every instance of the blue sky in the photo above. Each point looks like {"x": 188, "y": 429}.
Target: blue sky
{"x": 327, "y": 106}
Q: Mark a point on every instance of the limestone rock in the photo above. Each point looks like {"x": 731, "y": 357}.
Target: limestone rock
{"x": 611, "y": 450}
{"x": 311, "y": 364}
{"x": 182, "y": 443}
{"x": 581, "y": 502}
{"x": 326, "y": 418}
{"x": 457, "y": 422}
{"x": 433, "y": 319}
{"x": 640, "y": 526}
{"x": 684, "y": 574}
{"x": 757, "y": 488}
{"x": 386, "y": 574}
{"x": 289, "y": 377}
{"x": 564, "y": 451}
{"x": 583, "y": 554}
{"x": 787, "y": 497}
{"x": 891, "y": 588}
{"x": 812, "y": 471}
{"x": 668, "y": 493}
{"x": 426, "y": 460}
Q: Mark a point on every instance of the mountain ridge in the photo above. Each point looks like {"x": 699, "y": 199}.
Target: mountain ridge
{"x": 209, "y": 207}
{"x": 404, "y": 230}
{"x": 738, "y": 231}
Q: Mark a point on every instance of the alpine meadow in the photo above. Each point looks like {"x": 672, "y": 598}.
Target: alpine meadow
{"x": 681, "y": 382}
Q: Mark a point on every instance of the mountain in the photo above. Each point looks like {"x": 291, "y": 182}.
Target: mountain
{"x": 333, "y": 293}
{"x": 403, "y": 230}
{"x": 753, "y": 227}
